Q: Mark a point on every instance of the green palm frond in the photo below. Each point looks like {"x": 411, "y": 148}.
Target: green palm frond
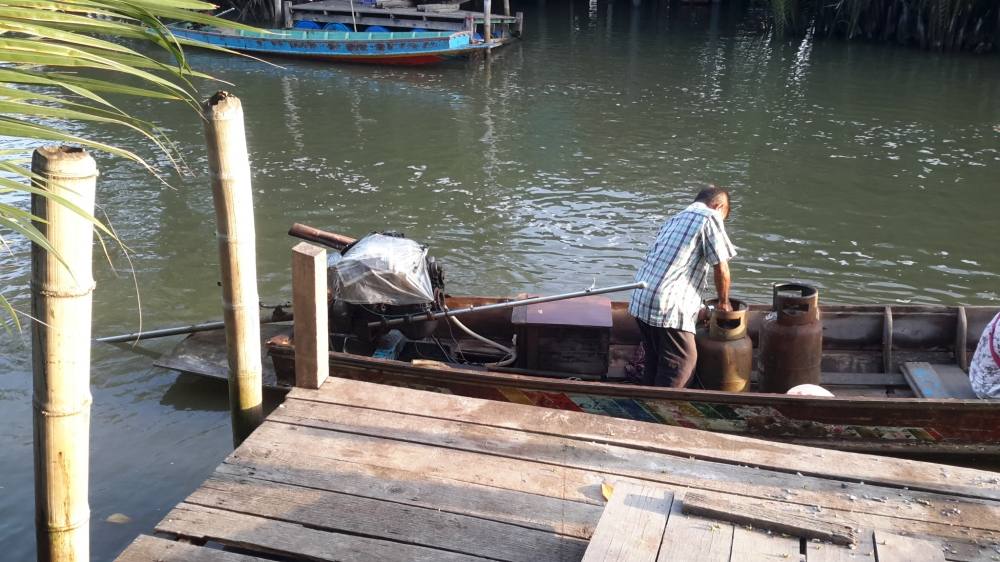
{"x": 59, "y": 60}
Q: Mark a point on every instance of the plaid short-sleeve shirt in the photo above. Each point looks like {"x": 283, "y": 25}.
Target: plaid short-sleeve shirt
{"x": 676, "y": 266}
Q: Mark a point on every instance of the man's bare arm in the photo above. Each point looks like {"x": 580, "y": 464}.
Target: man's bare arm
{"x": 722, "y": 285}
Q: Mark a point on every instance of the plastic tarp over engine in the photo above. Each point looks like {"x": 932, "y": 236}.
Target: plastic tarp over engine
{"x": 382, "y": 269}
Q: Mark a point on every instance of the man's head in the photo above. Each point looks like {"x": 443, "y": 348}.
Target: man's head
{"x": 715, "y": 198}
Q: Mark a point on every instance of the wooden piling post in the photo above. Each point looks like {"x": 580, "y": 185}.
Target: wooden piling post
{"x": 519, "y": 24}
{"x": 229, "y": 171}
{"x": 312, "y": 336}
{"x": 286, "y": 14}
{"x": 506, "y": 7}
{"x": 487, "y": 14}
{"x": 61, "y": 295}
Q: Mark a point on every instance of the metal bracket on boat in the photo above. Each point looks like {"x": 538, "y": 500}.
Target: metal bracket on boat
{"x": 887, "y": 340}
{"x": 961, "y": 335}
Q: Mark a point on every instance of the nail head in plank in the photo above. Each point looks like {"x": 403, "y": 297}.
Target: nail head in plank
{"x": 890, "y": 547}
{"x": 146, "y": 548}
{"x": 631, "y": 527}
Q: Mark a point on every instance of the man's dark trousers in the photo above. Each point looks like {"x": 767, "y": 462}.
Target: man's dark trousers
{"x": 671, "y": 356}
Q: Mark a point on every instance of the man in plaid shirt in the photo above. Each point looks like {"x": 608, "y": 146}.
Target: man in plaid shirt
{"x": 674, "y": 271}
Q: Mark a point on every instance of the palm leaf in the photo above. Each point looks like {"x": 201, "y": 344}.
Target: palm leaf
{"x": 12, "y": 185}
{"x": 59, "y": 59}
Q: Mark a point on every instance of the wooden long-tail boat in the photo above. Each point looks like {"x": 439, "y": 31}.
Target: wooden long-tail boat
{"x": 399, "y": 48}
{"x": 864, "y": 347}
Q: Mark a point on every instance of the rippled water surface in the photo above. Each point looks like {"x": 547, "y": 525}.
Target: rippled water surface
{"x": 868, "y": 170}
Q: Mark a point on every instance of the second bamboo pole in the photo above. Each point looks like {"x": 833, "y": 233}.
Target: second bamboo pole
{"x": 229, "y": 169}
{"x": 61, "y": 301}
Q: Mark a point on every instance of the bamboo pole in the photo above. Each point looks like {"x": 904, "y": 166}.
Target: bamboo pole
{"x": 311, "y": 334}
{"x": 229, "y": 170}
{"x": 61, "y": 294}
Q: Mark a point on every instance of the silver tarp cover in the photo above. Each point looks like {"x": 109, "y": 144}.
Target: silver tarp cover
{"x": 382, "y": 269}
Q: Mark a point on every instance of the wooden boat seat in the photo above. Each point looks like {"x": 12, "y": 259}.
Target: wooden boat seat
{"x": 938, "y": 380}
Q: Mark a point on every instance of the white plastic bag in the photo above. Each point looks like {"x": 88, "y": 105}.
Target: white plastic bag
{"x": 382, "y": 269}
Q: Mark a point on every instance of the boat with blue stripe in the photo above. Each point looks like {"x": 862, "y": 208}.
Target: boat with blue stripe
{"x": 377, "y": 47}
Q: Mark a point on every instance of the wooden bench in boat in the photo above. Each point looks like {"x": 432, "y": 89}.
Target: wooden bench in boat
{"x": 938, "y": 381}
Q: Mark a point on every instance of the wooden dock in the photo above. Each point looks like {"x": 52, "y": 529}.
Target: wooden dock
{"x": 343, "y": 11}
{"x": 358, "y": 471}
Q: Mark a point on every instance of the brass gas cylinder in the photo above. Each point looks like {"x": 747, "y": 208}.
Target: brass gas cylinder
{"x": 791, "y": 339}
{"x": 725, "y": 352}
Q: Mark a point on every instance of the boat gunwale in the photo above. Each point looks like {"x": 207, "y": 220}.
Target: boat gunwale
{"x": 470, "y": 376}
{"x": 456, "y": 373}
{"x": 442, "y": 36}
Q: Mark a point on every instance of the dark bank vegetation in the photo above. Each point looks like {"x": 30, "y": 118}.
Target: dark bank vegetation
{"x": 940, "y": 25}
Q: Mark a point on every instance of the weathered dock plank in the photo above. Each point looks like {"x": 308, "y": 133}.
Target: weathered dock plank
{"x": 631, "y": 528}
{"x": 890, "y": 547}
{"x": 294, "y": 541}
{"x": 357, "y": 471}
{"x": 864, "y": 551}
{"x": 564, "y": 481}
{"x": 680, "y": 441}
{"x": 625, "y": 461}
{"x": 740, "y": 513}
{"x": 323, "y": 6}
{"x": 694, "y": 539}
{"x": 751, "y": 545}
{"x": 344, "y": 513}
{"x": 145, "y": 549}
{"x": 416, "y": 488}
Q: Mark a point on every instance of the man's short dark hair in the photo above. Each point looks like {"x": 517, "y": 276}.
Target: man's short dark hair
{"x": 711, "y": 194}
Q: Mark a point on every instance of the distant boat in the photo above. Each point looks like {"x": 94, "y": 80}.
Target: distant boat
{"x": 375, "y": 47}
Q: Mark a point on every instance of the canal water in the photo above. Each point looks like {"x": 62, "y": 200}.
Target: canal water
{"x": 868, "y": 170}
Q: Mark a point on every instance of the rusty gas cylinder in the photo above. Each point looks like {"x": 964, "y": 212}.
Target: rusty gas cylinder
{"x": 791, "y": 339}
{"x": 725, "y": 352}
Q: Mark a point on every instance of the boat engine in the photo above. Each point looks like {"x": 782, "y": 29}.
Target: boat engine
{"x": 383, "y": 276}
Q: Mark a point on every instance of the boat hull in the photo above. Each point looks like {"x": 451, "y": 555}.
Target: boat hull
{"x": 910, "y": 426}
{"x": 406, "y": 49}
{"x": 861, "y": 364}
